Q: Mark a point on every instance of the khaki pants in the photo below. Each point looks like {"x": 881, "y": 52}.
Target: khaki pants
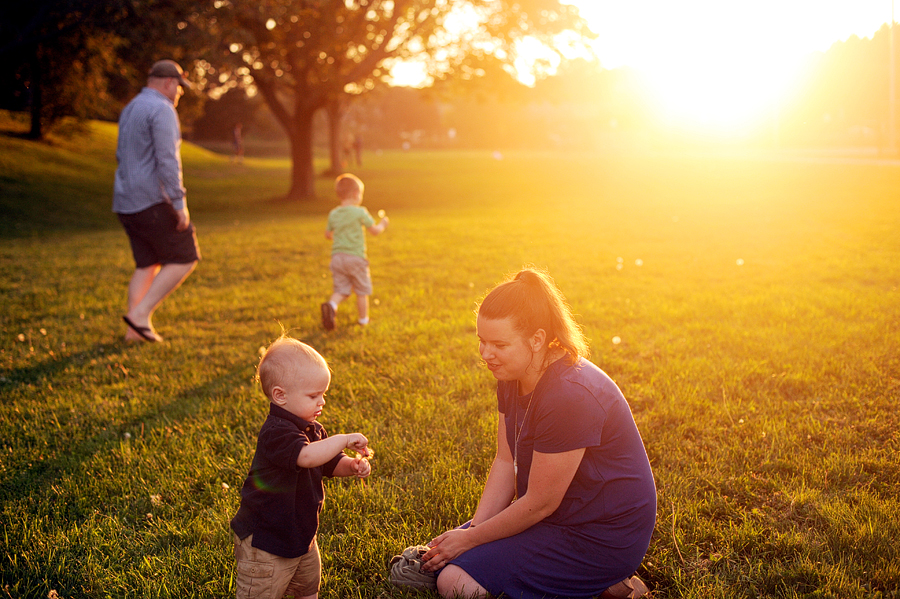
{"x": 262, "y": 575}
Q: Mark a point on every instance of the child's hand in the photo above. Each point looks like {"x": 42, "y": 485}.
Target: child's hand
{"x": 361, "y": 467}
{"x": 358, "y": 442}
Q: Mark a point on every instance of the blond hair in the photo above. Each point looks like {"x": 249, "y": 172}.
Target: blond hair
{"x": 286, "y": 357}
{"x": 533, "y": 301}
{"x": 347, "y": 186}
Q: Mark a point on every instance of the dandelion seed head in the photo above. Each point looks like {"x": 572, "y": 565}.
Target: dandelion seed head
{"x": 618, "y": 267}
{"x": 376, "y": 301}
{"x": 225, "y": 486}
{"x": 739, "y": 261}
{"x": 127, "y": 436}
{"x": 381, "y": 213}
{"x": 620, "y": 259}
{"x": 616, "y": 340}
{"x": 638, "y": 262}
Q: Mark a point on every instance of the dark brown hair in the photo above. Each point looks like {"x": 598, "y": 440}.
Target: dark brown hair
{"x": 533, "y": 301}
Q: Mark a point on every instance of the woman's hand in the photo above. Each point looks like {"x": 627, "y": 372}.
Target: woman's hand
{"x": 445, "y": 547}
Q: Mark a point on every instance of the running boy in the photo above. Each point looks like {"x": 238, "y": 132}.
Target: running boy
{"x": 275, "y": 547}
{"x": 349, "y": 262}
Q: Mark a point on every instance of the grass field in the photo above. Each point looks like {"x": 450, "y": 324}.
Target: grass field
{"x": 756, "y": 305}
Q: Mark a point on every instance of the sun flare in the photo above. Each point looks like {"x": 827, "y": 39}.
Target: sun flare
{"x": 723, "y": 66}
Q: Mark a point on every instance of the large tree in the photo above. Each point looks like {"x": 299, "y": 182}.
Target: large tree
{"x": 85, "y": 58}
{"x": 303, "y": 55}
{"x": 55, "y": 56}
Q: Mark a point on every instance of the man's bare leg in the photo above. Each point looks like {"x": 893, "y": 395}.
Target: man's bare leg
{"x": 147, "y": 290}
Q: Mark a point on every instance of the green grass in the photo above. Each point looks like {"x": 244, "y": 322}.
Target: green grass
{"x": 766, "y": 392}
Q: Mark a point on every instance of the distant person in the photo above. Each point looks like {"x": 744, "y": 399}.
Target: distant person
{"x": 149, "y": 197}
{"x": 237, "y": 140}
{"x": 357, "y": 148}
{"x": 275, "y": 548}
{"x": 349, "y": 259}
{"x": 570, "y": 503}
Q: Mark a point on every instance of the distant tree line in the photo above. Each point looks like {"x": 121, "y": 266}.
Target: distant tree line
{"x": 84, "y": 58}
{"x": 320, "y": 69}
{"x": 844, "y": 97}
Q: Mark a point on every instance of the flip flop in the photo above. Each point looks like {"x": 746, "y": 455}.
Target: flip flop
{"x": 145, "y": 332}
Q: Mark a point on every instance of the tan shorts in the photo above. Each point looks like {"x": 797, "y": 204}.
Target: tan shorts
{"x": 351, "y": 273}
{"x": 261, "y": 575}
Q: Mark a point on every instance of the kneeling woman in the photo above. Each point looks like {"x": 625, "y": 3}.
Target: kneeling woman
{"x": 567, "y": 448}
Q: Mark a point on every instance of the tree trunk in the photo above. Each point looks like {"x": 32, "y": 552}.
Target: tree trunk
{"x": 335, "y": 117}
{"x": 303, "y": 177}
{"x": 36, "y": 100}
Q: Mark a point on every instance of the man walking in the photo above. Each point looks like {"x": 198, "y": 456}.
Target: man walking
{"x": 149, "y": 197}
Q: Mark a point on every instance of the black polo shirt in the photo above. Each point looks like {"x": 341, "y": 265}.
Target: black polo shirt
{"x": 280, "y": 501}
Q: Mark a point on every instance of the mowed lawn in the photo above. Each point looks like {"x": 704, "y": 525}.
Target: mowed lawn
{"x": 749, "y": 310}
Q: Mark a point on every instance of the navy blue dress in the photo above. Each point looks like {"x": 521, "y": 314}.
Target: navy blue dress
{"x": 601, "y": 530}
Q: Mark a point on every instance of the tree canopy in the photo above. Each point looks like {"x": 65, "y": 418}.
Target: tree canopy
{"x": 303, "y": 54}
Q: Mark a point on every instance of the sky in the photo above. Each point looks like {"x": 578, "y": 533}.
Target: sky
{"x": 720, "y": 63}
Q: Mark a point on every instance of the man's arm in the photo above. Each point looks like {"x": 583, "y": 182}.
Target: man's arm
{"x": 165, "y": 132}
{"x": 184, "y": 218}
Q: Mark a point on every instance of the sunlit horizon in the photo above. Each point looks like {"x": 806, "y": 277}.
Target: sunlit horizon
{"x": 719, "y": 67}
{"x": 723, "y": 66}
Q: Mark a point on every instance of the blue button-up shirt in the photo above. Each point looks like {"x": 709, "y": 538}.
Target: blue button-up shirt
{"x": 149, "y": 155}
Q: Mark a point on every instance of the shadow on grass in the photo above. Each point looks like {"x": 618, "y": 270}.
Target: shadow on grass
{"x": 38, "y": 476}
{"x": 12, "y": 378}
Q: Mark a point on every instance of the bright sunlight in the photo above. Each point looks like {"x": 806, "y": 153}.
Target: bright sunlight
{"x": 722, "y": 66}
{"x": 714, "y": 66}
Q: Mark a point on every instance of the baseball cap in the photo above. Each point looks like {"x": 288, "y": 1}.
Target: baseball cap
{"x": 169, "y": 68}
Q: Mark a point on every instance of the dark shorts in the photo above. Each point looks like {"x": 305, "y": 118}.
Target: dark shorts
{"x": 154, "y": 239}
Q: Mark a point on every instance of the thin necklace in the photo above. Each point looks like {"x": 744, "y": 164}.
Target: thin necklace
{"x": 519, "y": 429}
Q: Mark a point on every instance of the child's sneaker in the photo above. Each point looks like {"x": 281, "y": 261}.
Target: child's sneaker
{"x": 327, "y": 316}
